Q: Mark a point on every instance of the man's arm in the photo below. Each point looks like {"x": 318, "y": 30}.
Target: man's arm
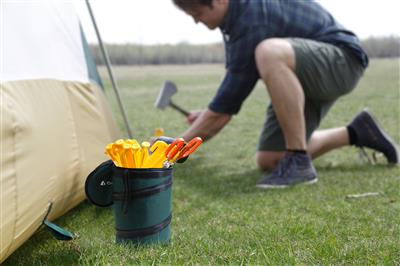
{"x": 207, "y": 125}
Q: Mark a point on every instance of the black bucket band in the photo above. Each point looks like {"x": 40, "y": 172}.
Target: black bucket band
{"x": 142, "y": 193}
{"x": 141, "y": 173}
{"x": 139, "y": 233}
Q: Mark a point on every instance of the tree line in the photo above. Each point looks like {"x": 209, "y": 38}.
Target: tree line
{"x": 185, "y": 53}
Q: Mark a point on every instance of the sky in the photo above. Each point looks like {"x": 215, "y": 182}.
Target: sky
{"x": 160, "y": 22}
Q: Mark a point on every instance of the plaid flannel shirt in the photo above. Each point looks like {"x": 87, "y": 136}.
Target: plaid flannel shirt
{"x": 248, "y": 22}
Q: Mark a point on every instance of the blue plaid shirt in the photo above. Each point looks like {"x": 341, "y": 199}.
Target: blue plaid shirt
{"x": 248, "y": 22}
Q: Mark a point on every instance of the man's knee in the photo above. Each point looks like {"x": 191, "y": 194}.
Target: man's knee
{"x": 271, "y": 53}
{"x": 268, "y": 160}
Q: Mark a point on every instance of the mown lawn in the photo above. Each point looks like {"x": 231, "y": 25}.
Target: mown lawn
{"x": 219, "y": 216}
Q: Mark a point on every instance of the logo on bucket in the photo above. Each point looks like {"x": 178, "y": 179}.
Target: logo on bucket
{"x": 103, "y": 183}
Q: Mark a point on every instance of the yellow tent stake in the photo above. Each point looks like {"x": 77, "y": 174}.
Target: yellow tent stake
{"x": 119, "y": 151}
{"x": 158, "y": 132}
{"x": 156, "y": 159}
{"x": 131, "y": 141}
{"x": 110, "y": 152}
{"x": 145, "y": 151}
{"x": 137, "y": 155}
{"x": 129, "y": 155}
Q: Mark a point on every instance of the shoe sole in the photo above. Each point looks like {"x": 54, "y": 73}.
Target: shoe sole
{"x": 386, "y": 136}
{"x": 266, "y": 186}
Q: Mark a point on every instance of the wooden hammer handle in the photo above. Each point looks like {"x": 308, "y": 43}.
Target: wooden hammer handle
{"x": 184, "y": 112}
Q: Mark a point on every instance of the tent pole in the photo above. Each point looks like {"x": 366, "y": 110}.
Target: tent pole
{"x": 110, "y": 73}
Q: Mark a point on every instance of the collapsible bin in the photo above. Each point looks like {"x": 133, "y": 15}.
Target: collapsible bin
{"x": 142, "y": 204}
{"x": 142, "y": 199}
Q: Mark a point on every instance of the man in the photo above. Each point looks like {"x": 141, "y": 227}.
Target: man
{"x": 307, "y": 60}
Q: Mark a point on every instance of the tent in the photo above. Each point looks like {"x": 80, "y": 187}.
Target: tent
{"x": 55, "y": 121}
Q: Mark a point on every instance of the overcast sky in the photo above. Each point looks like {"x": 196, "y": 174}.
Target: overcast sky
{"x": 159, "y": 22}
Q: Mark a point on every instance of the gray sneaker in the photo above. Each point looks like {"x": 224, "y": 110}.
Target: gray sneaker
{"x": 371, "y": 135}
{"x": 293, "y": 168}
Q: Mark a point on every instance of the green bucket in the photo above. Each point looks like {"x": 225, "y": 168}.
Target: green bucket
{"x": 141, "y": 198}
{"x": 142, "y": 204}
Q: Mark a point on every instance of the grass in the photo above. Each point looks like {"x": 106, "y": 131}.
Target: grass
{"x": 219, "y": 217}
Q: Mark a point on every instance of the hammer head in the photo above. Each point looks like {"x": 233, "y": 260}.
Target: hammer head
{"x": 165, "y": 95}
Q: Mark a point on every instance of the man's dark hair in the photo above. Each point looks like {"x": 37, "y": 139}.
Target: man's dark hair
{"x": 184, "y": 4}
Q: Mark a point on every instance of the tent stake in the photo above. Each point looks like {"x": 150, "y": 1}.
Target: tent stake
{"x": 110, "y": 73}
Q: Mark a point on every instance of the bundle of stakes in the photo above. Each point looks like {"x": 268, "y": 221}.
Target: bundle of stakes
{"x": 130, "y": 154}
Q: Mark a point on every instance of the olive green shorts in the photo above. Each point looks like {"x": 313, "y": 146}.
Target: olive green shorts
{"x": 326, "y": 72}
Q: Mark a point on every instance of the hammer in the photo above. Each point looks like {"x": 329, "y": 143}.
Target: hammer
{"x": 164, "y": 98}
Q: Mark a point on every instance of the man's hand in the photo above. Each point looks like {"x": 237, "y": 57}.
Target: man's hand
{"x": 193, "y": 116}
{"x": 205, "y": 124}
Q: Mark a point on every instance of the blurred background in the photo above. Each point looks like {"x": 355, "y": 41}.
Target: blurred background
{"x": 156, "y": 32}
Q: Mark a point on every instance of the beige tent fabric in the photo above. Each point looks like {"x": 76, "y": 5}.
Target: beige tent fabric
{"x": 53, "y": 133}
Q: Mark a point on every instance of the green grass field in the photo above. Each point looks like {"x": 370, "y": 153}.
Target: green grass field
{"x": 219, "y": 216}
